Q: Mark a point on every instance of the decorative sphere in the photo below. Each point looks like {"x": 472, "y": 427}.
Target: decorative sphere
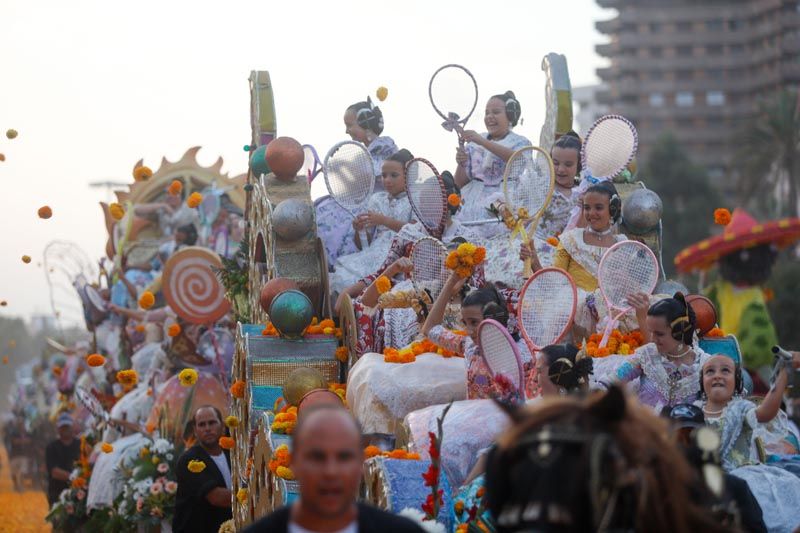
{"x": 291, "y": 313}
{"x": 285, "y": 157}
{"x": 670, "y": 287}
{"x": 704, "y": 311}
{"x": 300, "y": 382}
{"x": 293, "y": 218}
{"x": 273, "y": 288}
{"x": 258, "y": 161}
{"x": 641, "y": 211}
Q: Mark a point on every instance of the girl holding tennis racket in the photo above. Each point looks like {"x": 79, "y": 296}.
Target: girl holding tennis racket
{"x": 482, "y": 161}
{"x": 363, "y": 123}
{"x": 387, "y": 212}
{"x": 476, "y": 307}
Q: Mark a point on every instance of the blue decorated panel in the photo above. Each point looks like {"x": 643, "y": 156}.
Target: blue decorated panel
{"x": 727, "y": 345}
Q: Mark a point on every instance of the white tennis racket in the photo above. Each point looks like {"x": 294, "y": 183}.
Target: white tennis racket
{"x": 453, "y": 92}
{"x": 609, "y": 146}
{"x": 627, "y": 268}
{"x": 349, "y": 178}
{"x": 429, "y": 273}
{"x": 528, "y": 183}
{"x": 426, "y": 194}
{"x": 546, "y": 307}
{"x": 501, "y": 353}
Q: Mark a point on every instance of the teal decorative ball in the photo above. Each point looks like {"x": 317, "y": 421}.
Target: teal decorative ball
{"x": 258, "y": 161}
{"x": 291, "y": 312}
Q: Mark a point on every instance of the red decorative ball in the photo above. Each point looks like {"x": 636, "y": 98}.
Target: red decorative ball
{"x": 704, "y": 311}
{"x": 273, "y": 288}
{"x": 285, "y": 158}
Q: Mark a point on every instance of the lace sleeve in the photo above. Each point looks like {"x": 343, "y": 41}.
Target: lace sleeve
{"x": 447, "y": 339}
{"x": 396, "y": 251}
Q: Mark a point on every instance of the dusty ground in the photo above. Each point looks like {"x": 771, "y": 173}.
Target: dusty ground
{"x": 21, "y": 512}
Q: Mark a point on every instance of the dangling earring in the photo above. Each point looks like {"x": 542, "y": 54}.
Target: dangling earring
{"x": 703, "y": 396}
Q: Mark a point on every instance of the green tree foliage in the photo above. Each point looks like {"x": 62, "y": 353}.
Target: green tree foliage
{"x": 785, "y": 306}
{"x": 688, "y": 196}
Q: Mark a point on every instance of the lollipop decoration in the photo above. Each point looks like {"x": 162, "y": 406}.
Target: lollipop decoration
{"x": 190, "y": 287}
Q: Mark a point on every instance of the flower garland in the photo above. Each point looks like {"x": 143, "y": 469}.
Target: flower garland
{"x": 715, "y": 332}
{"x": 393, "y": 355}
{"x": 399, "y": 453}
{"x": 317, "y": 327}
{"x": 618, "y": 343}
{"x": 279, "y": 464}
{"x": 285, "y": 420}
{"x": 465, "y": 258}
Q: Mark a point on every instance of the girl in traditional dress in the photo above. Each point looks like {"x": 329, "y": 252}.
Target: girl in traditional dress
{"x": 739, "y": 422}
{"x": 476, "y": 307}
{"x": 387, "y": 212}
{"x": 363, "y": 123}
{"x": 668, "y": 366}
{"x": 483, "y": 160}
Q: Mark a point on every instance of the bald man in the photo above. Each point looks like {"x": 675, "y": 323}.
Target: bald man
{"x": 327, "y": 460}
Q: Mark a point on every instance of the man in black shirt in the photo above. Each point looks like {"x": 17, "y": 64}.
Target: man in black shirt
{"x": 60, "y": 457}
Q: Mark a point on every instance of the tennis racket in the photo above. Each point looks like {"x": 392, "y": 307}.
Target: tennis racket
{"x": 349, "y": 177}
{"x": 312, "y": 165}
{"x": 426, "y": 194}
{"x": 546, "y": 307}
{"x": 610, "y": 145}
{"x": 528, "y": 183}
{"x": 429, "y": 273}
{"x": 626, "y": 268}
{"x": 453, "y": 92}
{"x": 92, "y": 404}
{"x": 500, "y": 353}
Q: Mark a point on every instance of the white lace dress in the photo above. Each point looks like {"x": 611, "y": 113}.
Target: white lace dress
{"x": 350, "y": 268}
{"x": 552, "y": 224}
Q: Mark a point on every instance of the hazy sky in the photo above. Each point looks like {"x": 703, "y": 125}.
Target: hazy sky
{"x": 93, "y": 86}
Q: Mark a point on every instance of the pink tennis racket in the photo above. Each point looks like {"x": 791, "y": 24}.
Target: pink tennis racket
{"x": 546, "y": 307}
{"x": 426, "y": 194}
{"x": 312, "y": 165}
{"x": 627, "y": 268}
{"x": 501, "y": 353}
{"x": 429, "y": 273}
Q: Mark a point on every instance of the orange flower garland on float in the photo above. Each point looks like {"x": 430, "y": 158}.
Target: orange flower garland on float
{"x": 399, "y": 453}
{"x": 285, "y": 421}
{"x": 237, "y": 389}
{"x": 393, "y": 355}
{"x": 95, "y": 360}
{"x": 175, "y": 188}
{"x": 618, "y": 343}
{"x": 279, "y": 464}
{"x": 227, "y": 443}
{"x": 465, "y": 258}
{"x": 325, "y": 327}
{"x": 715, "y": 332}
{"x": 142, "y": 173}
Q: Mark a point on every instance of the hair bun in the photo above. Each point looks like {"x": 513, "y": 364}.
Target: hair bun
{"x": 510, "y": 94}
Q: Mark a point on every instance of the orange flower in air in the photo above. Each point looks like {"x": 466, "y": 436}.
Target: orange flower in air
{"x": 226, "y": 443}
{"x": 722, "y": 216}
{"x": 146, "y": 300}
{"x": 237, "y": 389}
{"x": 142, "y": 173}
{"x": 95, "y": 360}
{"x": 454, "y": 200}
{"x": 174, "y": 330}
{"x": 45, "y": 212}
{"x": 116, "y": 211}
{"x": 175, "y": 188}
{"x": 194, "y": 200}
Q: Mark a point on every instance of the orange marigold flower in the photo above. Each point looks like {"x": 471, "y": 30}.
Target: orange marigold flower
{"x": 552, "y": 241}
{"x": 479, "y": 255}
{"x": 194, "y": 200}
{"x": 226, "y": 443}
{"x": 79, "y": 482}
{"x": 452, "y": 260}
{"x": 397, "y": 454}
{"x": 142, "y": 173}
{"x": 715, "y": 332}
{"x": 722, "y": 216}
{"x": 188, "y": 377}
{"x": 383, "y": 284}
{"x": 371, "y": 451}
{"x": 116, "y": 211}
{"x": 128, "y": 377}
{"x": 284, "y": 472}
{"x": 95, "y": 360}
{"x": 139, "y": 328}
{"x": 342, "y": 354}
{"x": 146, "y": 300}
{"x": 413, "y": 456}
{"x": 175, "y": 188}
{"x": 454, "y": 200}
{"x": 241, "y": 495}
{"x": 237, "y": 389}
{"x": 174, "y": 330}
{"x": 57, "y": 371}
{"x": 327, "y": 323}
{"x": 106, "y": 447}
{"x": 45, "y": 212}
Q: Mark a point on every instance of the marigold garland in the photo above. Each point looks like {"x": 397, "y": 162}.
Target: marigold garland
{"x": 45, "y": 212}
{"x": 383, "y": 284}
{"x": 241, "y": 495}
{"x": 465, "y": 258}
{"x": 142, "y": 173}
{"x": 237, "y": 389}
{"x": 285, "y": 421}
{"x": 116, "y": 211}
{"x": 175, "y": 188}
{"x": 342, "y": 354}
{"x": 174, "y": 330}
{"x": 618, "y": 343}
{"x": 187, "y": 377}
{"x": 195, "y": 467}
{"x": 715, "y": 332}
{"x": 194, "y": 200}
{"x": 722, "y": 216}
{"x": 393, "y": 355}
{"x": 227, "y": 443}
{"x": 95, "y": 360}
{"x": 231, "y": 421}
{"x": 279, "y": 464}
{"x": 147, "y": 300}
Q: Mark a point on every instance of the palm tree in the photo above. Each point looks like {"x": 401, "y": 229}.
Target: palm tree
{"x": 769, "y": 154}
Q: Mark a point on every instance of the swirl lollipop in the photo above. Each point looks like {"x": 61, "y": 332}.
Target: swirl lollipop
{"x": 192, "y": 289}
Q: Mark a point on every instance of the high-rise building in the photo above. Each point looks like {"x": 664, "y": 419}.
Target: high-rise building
{"x": 697, "y": 68}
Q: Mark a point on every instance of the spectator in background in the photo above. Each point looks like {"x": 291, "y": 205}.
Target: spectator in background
{"x": 18, "y": 446}
{"x": 60, "y": 457}
{"x": 203, "y": 501}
